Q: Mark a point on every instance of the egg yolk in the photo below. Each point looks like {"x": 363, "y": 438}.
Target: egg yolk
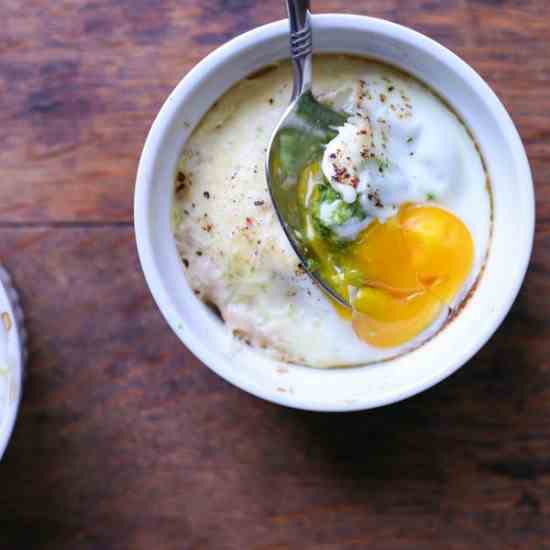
{"x": 414, "y": 264}
{"x": 397, "y": 274}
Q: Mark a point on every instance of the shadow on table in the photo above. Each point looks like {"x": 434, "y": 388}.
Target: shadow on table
{"x": 469, "y": 418}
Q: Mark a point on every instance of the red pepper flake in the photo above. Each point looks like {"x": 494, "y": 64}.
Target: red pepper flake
{"x": 249, "y": 221}
{"x": 340, "y": 173}
{"x": 375, "y": 199}
{"x": 354, "y": 181}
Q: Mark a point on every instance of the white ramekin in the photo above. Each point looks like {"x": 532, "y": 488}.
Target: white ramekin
{"x": 351, "y": 388}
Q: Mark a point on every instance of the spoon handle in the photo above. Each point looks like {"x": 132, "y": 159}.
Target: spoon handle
{"x": 299, "y": 16}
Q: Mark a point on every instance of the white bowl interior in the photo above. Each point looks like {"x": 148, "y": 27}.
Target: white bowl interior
{"x": 350, "y": 388}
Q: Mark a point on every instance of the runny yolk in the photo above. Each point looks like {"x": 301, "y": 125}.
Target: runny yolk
{"x": 414, "y": 264}
{"x": 397, "y": 275}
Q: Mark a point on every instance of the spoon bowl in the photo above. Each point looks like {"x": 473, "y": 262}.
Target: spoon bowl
{"x": 304, "y": 129}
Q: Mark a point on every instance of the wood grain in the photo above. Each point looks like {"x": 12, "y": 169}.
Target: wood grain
{"x": 125, "y": 440}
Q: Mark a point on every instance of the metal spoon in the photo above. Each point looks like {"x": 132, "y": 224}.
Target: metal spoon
{"x": 309, "y": 125}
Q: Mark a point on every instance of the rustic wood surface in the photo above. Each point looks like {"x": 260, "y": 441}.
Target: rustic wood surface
{"x": 124, "y": 439}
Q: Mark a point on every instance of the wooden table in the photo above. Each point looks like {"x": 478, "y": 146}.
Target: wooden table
{"x": 124, "y": 439}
